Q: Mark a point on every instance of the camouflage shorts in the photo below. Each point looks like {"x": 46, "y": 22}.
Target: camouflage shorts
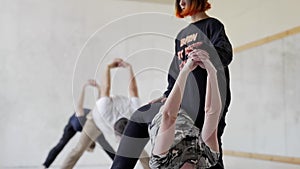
{"x": 187, "y": 147}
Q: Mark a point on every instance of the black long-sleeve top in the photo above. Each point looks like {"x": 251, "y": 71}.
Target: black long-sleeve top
{"x": 211, "y": 33}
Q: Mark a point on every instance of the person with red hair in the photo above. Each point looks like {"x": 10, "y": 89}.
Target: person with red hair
{"x": 185, "y": 8}
{"x": 204, "y": 37}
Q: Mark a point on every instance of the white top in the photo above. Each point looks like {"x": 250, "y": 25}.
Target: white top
{"x": 110, "y": 109}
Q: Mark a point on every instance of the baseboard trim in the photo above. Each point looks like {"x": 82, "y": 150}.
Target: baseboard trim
{"x": 275, "y": 158}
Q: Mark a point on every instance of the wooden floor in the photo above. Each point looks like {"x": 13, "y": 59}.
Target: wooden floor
{"x": 234, "y": 163}
{"x": 230, "y": 163}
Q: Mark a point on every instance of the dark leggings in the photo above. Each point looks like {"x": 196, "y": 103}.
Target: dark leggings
{"x": 106, "y": 146}
{"x": 136, "y": 137}
{"x": 69, "y": 132}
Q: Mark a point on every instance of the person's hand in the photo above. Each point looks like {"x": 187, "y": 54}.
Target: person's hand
{"x": 116, "y": 63}
{"x": 158, "y": 100}
{"x": 189, "y": 65}
{"x": 124, "y": 64}
{"x": 92, "y": 82}
{"x": 209, "y": 66}
{"x": 198, "y": 55}
{"x": 201, "y": 57}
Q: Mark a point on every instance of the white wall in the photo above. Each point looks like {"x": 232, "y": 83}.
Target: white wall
{"x": 247, "y": 21}
{"x": 264, "y": 115}
{"x": 40, "y": 45}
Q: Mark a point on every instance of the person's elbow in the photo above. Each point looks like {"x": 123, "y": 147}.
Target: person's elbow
{"x": 225, "y": 54}
{"x": 215, "y": 108}
{"x": 227, "y": 60}
{"x": 168, "y": 116}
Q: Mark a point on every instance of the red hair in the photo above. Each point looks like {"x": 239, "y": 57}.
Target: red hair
{"x": 192, "y": 7}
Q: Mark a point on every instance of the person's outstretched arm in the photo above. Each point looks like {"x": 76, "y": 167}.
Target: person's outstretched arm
{"x": 165, "y": 136}
{"x": 213, "y": 107}
{"x": 133, "y": 89}
{"x": 80, "y": 108}
{"x": 213, "y": 103}
{"x": 105, "y": 88}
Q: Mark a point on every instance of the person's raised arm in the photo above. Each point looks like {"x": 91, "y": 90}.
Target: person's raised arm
{"x": 173, "y": 102}
{"x": 93, "y": 83}
{"x": 133, "y": 89}
{"x": 80, "y": 108}
{"x": 105, "y": 88}
{"x": 169, "y": 112}
{"x": 213, "y": 104}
